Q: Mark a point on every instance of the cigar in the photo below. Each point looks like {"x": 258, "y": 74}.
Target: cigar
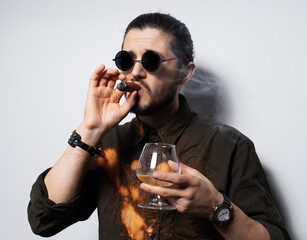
{"x": 127, "y": 86}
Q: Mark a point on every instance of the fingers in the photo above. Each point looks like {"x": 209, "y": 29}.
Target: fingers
{"x": 129, "y": 103}
{"x": 175, "y": 178}
{"x": 105, "y": 77}
{"x": 185, "y": 169}
{"x": 96, "y": 76}
{"x": 183, "y": 190}
{"x": 166, "y": 192}
{"x": 108, "y": 78}
{"x": 183, "y": 183}
{"x": 186, "y": 178}
{"x": 191, "y": 171}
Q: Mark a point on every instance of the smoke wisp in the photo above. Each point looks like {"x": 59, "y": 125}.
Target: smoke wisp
{"x": 206, "y": 95}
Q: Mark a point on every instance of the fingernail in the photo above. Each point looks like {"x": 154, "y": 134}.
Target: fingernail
{"x": 156, "y": 175}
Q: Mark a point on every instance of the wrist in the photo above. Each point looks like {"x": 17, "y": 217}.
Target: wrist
{"x": 90, "y": 136}
{"x": 75, "y": 140}
{"x": 216, "y": 199}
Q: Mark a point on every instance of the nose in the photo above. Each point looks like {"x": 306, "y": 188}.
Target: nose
{"x": 137, "y": 70}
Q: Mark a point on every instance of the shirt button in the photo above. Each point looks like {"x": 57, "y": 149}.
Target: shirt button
{"x": 152, "y": 236}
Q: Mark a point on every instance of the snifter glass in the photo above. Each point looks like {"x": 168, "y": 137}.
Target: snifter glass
{"x": 157, "y": 157}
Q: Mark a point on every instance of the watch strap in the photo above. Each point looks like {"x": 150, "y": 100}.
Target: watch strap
{"x": 226, "y": 199}
{"x": 75, "y": 141}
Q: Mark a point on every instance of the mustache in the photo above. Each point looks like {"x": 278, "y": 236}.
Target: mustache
{"x": 144, "y": 85}
{"x": 141, "y": 82}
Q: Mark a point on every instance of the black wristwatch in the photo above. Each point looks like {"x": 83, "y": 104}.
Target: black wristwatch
{"x": 75, "y": 141}
{"x": 222, "y": 213}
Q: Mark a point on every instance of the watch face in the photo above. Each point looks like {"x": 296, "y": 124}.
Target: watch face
{"x": 223, "y": 214}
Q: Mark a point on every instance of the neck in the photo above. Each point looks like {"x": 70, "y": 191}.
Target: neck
{"x": 158, "y": 119}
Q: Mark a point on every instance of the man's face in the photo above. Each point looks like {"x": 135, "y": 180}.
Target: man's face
{"x": 159, "y": 88}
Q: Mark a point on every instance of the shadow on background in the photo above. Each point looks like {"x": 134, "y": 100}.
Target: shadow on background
{"x": 280, "y": 202}
{"x": 207, "y": 96}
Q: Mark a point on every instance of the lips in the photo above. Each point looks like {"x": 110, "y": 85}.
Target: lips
{"x": 139, "y": 87}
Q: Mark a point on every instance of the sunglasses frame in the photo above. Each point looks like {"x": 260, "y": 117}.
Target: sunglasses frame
{"x": 142, "y": 61}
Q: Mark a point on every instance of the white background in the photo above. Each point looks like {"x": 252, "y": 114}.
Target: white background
{"x": 48, "y": 50}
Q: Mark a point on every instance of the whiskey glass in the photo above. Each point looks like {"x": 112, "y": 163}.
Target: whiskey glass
{"x": 157, "y": 157}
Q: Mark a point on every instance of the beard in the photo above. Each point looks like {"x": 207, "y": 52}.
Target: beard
{"x": 158, "y": 102}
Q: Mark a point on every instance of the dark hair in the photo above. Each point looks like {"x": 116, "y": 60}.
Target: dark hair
{"x": 181, "y": 41}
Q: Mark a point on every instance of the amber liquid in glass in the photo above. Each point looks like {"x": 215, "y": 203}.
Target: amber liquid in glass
{"x": 150, "y": 180}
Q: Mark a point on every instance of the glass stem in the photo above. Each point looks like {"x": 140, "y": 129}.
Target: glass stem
{"x": 156, "y": 199}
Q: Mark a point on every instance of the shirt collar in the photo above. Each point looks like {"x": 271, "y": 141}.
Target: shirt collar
{"x": 169, "y": 132}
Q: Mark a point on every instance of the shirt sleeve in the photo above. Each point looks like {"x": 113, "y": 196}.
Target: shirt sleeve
{"x": 47, "y": 218}
{"x": 250, "y": 191}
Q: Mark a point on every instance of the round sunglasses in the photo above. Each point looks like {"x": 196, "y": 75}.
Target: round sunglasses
{"x": 150, "y": 60}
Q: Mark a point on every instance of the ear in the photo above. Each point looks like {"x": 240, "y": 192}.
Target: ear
{"x": 188, "y": 73}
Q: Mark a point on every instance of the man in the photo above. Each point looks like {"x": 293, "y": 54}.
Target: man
{"x": 221, "y": 193}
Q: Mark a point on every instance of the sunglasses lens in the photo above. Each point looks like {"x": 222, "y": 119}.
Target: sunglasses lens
{"x": 123, "y": 60}
{"x": 151, "y": 61}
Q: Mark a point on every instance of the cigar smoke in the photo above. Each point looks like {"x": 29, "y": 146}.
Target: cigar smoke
{"x": 127, "y": 86}
{"x": 206, "y": 95}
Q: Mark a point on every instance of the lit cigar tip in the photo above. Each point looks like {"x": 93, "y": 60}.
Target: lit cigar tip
{"x": 122, "y": 86}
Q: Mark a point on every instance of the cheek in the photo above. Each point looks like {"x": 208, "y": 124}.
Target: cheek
{"x": 156, "y": 88}
{"x": 165, "y": 76}
{"x": 160, "y": 83}
{"x": 162, "y": 91}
